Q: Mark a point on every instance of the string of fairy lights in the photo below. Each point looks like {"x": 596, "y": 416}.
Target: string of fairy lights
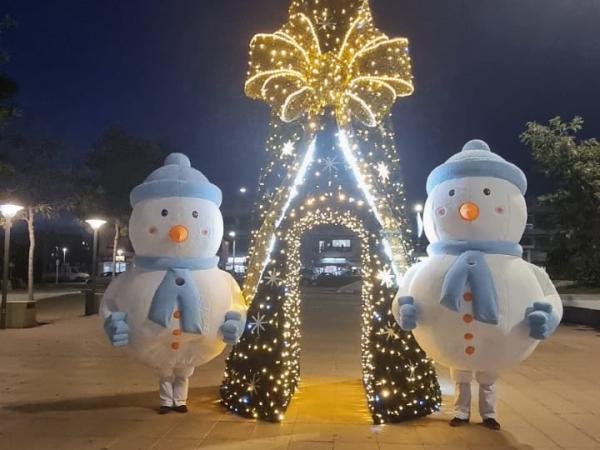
{"x": 328, "y": 64}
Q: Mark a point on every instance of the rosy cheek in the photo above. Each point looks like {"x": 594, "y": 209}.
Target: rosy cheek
{"x": 441, "y": 212}
{"x": 499, "y": 210}
{"x": 152, "y": 230}
{"x": 204, "y": 232}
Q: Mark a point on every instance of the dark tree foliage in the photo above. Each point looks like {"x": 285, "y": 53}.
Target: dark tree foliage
{"x": 117, "y": 163}
{"x": 573, "y": 164}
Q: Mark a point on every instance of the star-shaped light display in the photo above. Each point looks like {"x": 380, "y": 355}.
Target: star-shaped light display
{"x": 330, "y": 164}
{"x": 389, "y": 332}
{"x": 272, "y": 278}
{"x": 383, "y": 171}
{"x": 253, "y": 385}
{"x": 386, "y": 277}
{"x": 287, "y": 149}
{"x": 257, "y": 324}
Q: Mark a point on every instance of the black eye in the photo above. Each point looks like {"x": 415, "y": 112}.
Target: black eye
{"x": 195, "y": 214}
{"x": 486, "y": 191}
{"x": 451, "y": 193}
{"x": 164, "y": 213}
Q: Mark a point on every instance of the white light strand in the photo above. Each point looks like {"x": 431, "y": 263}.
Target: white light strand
{"x": 298, "y": 180}
{"x": 353, "y": 164}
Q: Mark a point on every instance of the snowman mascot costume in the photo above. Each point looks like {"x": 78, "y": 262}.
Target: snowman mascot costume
{"x": 475, "y": 305}
{"x": 175, "y": 309}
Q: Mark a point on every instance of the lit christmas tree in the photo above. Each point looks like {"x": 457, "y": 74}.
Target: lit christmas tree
{"x": 331, "y": 79}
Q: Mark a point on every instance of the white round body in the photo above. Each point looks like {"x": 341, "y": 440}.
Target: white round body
{"x": 166, "y": 348}
{"x": 445, "y": 335}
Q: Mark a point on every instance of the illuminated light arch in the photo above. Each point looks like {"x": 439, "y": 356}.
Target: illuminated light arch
{"x": 262, "y": 370}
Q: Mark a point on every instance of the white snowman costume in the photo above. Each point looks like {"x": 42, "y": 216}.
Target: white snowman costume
{"x": 174, "y": 309}
{"x": 475, "y": 305}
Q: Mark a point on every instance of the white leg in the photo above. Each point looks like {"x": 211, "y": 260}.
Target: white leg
{"x": 181, "y": 383}
{"x": 166, "y": 391}
{"x": 487, "y": 394}
{"x": 462, "y": 393}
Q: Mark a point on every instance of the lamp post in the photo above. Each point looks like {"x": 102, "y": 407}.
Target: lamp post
{"x": 120, "y": 260}
{"x": 90, "y": 301}
{"x": 8, "y": 211}
{"x": 232, "y": 236}
{"x": 64, "y": 250}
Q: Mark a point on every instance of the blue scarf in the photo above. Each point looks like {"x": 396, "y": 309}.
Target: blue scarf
{"x": 470, "y": 268}
{"x": 177, "y": 290}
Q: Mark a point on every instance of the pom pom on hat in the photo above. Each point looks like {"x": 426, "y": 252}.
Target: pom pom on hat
{"x": 177, "y": 178}
{"x": 477, "y": 160}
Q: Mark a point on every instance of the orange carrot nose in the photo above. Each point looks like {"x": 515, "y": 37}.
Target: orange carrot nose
{"x": 469, "y": 211}
{"x": 178, "y": 233}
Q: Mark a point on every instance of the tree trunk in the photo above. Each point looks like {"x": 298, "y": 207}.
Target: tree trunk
{"x": 30, "y": 228}
{"x": 115, "y": 245}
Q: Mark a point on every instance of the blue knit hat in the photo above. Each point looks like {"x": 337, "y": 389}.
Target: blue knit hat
{"x": 477, "y": 160}
{"x": 177, "y": 178}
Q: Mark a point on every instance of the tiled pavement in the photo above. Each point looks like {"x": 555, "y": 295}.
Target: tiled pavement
{"x": 63, "y": 387}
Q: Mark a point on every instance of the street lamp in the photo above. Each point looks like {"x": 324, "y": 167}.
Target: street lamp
{"x": 232, "y": 236}
{"x": 90, "y": 301}
{"x": 243, "y": 190}
{"x": 8, "y": 211}
{"x": 418, "y": 208}
{"x": 96, "y": 224}
{"x": 64, "y": 250}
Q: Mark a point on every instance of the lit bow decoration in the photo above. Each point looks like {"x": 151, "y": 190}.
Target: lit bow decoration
{"x": 361, "y": 78}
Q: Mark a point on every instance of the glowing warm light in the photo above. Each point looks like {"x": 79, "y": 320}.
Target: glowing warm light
{"x": 10, "y": 210}
{"x": 418, "y": 208}
{"x": 96, "y": 224}
{"x": 295, "y": 72}
{"x": 328, "y": 63}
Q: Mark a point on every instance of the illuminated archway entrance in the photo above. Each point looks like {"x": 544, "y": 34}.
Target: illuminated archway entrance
{"x": 264, "y": 369}
{"x": 333, "y": 328}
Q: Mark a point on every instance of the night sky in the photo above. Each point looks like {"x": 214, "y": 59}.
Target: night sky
{"x": 175, "y": 70}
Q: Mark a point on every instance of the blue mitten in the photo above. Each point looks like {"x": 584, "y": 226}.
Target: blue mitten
{"x": 116, "y": 329}
{"x": 233, "y": 327}
{"x": 407, "y": 312}
{"x": 542, "y": 322}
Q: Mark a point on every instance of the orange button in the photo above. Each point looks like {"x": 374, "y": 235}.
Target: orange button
{"x": 468, "y": 296}
{"x": 175, "y": 345}
{"x": 468, "y": 336}
{"x": 177, "y": 332}
{"x": 470, "y": 350}
{"x": 177, "y": 314}
{"x": 468, "y": 318}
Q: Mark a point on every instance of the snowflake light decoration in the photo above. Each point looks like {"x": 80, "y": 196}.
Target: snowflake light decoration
{"x": 386, "y": 277}
{"x": 330, "y": 164}
{"x": 288, "y": 149}
{"x": 272, "y": 278}
{"x": 257, "y": 324}
{"x": 383, "y": 171}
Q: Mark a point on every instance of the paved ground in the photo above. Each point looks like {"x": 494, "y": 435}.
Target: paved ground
{"x": 63, "y": 387}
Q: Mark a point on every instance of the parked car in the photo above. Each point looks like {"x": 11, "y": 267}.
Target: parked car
{"x": 332, "y": 280}
{"x": 308, "y": 276}
{"x": 66, "y": 273}
{"x": 102, "y": 280}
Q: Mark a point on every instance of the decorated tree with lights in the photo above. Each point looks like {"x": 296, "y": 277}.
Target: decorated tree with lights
{"x": 331, "y": 78}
